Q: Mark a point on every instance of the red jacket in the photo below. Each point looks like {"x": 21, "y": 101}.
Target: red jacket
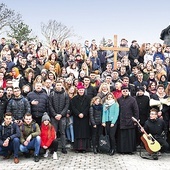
{"x": 47, "y": 135}
{"x": 117, "y": 93}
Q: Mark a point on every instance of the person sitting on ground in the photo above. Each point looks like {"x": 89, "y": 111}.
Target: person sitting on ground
{"x": 30, "y": 137}
{"x": 158, "y": 129}
{"x": 9, "y": 138}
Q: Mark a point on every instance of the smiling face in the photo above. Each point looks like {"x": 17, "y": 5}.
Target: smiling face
{"x": 28, "y": 119}
{"x": 8, "y": 120}
{"x": 81, "y": 92}
{"x": 46, "y": 122}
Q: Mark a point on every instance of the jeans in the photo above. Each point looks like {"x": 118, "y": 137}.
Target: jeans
{"x": 61, "y": 124}
{"x": 33, "y": 144}
{"x": 69, "y": 131}
{"x": 13, "y": 146}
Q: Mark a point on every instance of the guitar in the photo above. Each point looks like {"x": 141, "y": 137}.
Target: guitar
{"x": 151, "y": 144}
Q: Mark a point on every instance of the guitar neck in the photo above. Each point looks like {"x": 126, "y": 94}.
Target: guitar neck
{"x": 140, "y": 126}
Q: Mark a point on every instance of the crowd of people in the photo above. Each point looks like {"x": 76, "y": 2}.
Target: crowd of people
{"x": 73, "y": 92}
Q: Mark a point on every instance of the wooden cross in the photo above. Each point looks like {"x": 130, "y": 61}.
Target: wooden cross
{"x": 116, "y": 49}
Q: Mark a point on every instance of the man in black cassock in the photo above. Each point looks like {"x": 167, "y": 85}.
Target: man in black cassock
{"x": 80, "y": 105}
{"x": 127, "y": 129}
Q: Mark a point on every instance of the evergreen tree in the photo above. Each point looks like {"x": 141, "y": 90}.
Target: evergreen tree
{"x": 21, "y": 32}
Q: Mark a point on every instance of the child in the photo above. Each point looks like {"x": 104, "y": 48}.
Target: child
{"x": 48, "y": 136}
{"x": 109, "y": 119}
{"x": 96, "y": 120}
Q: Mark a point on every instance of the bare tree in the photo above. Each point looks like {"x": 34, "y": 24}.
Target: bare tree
{"x": 56, "y": 30}
{"x": 8, "y": 17}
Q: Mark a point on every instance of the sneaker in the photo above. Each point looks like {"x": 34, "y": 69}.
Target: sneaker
{"x": 46, "y": 153}
{"x": 55, "y": 155}
{"x": 36, "y": 158}
{"x": 64, "y": 150}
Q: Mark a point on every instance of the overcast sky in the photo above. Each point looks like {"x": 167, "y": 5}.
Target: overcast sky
{"x": 95, "y": 19}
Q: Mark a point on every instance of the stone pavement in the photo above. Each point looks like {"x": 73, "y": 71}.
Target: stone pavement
{"x": 89, "y": 161}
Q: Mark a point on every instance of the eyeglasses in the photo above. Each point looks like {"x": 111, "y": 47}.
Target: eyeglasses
{"x": 125, "y": 90}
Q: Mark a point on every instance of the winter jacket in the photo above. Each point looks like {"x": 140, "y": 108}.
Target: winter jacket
{"x": 12, "y": 131}
{"x": 32, "y": 129}
{"x": 3, "y": 105}
{"x": 58, "y": 103}
{"x": 96, "y": 114}
{"x": 110, "y": 113}
{"x": 155, "y": 127}
{"x": 42, "y": 106}
{"x": 18, "y": 107}
{"x": 48, "y": 134}
{"x": 24, "y": 81}
{"x": 143, "y": 105}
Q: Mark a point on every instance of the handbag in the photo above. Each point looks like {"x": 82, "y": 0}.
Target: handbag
{"x": 104, "y": 142}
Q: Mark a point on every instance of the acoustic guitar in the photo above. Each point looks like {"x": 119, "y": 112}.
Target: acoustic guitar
{"x": 150, "y": 143}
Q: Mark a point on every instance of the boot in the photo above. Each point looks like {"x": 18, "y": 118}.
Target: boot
{"x": 94, "y": 150}
{"x": 112, "y": 152}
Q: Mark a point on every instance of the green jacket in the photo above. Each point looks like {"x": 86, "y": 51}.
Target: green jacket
{"x": 26, "y": 130}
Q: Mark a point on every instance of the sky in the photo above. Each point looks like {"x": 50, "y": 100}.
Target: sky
{"x": 94, "y": 19}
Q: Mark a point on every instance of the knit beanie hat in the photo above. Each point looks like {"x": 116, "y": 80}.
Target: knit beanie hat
{"x": 45, "y": 117}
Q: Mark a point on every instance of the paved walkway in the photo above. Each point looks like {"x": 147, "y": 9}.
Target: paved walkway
{"x": 89, "y": 161}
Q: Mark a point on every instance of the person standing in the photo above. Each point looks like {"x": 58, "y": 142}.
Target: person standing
{"x": 3, "y": 104}
{"x": 58, "y": 105}
{"x": 143, "y": 105}
{"x": 127, "y": 129}
{"x": 39, "y": 102}
{"x": 96, "y": 110}
{"x": 134, "y": 53}
{"x": 9, "y": 137}
{"x": 109, "y": 119}
{"x": 80, "y": 105}
{"x": 18, "y": 106}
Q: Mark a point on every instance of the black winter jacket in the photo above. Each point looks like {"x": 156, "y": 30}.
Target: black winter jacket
{"x": 155, "y": 127}
{"x": 96, "y": 114}
{"x": 58, "y": 103}
{"x": 3, "y": 105}
{"x": 42, "y": 106}
{"x": 18, "y": 107}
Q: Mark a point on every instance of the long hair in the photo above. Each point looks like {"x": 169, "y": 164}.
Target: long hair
{"x": 94, "y": 99}
{"x": 110, "y": 93}
{"x": 167, "y": 90}
{"x": 49, "y": 130}
{"x": 101, "y": 87}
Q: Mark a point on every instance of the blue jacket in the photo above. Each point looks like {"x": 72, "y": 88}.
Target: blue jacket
{"x": 110, "y": 113}
{"x": 12, "y": 131}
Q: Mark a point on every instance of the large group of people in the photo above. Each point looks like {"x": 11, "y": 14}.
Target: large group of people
{"x": 73, "y": 92}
